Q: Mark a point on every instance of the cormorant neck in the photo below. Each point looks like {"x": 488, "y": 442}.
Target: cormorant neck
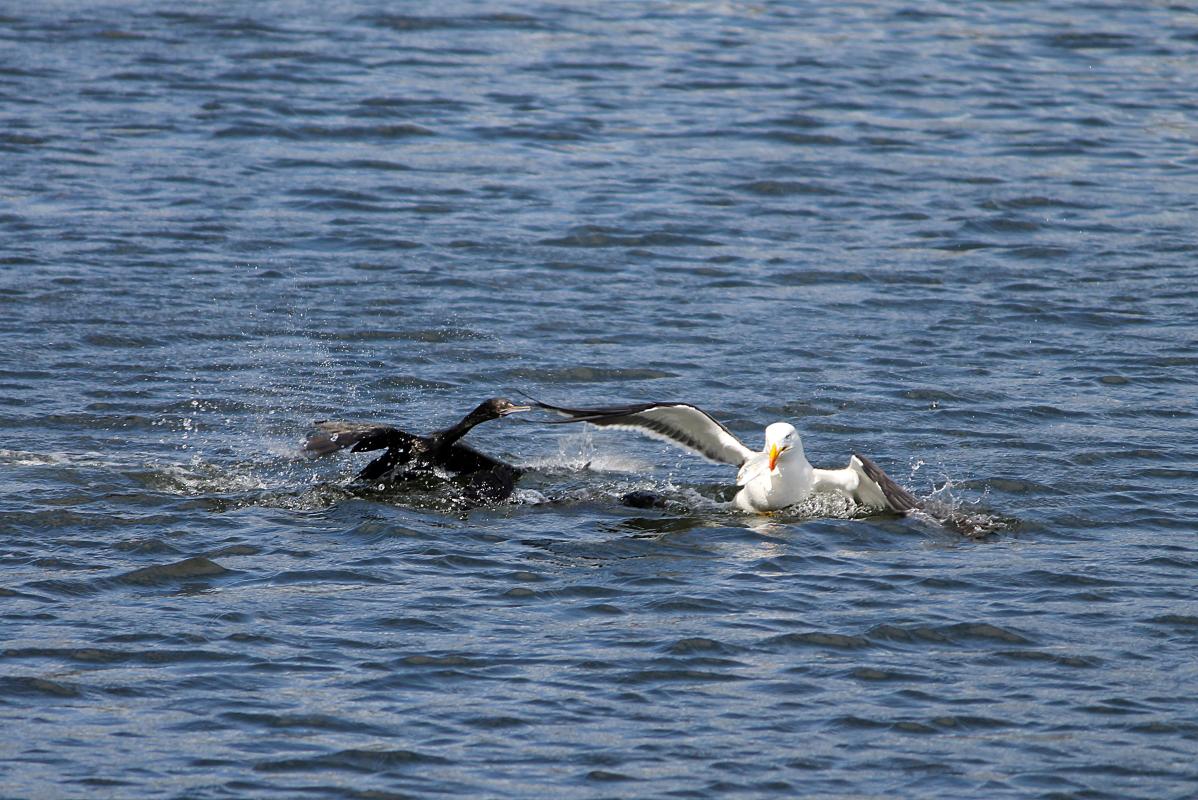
{"x": 450, "y": 435}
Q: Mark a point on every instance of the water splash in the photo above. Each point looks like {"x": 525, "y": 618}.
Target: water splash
{"x": 570, "y": 477}
{"x": 576, "y": 452}
{"x": 969, "y": 518}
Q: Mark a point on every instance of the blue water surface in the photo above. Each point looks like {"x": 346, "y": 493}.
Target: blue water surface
{"x": 959, "y": 238}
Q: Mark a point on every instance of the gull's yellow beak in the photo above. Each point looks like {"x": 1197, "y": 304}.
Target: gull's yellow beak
{"x": 774, "y": 453}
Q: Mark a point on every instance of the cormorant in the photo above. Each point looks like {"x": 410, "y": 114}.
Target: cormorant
{"x": 408, "y": 455}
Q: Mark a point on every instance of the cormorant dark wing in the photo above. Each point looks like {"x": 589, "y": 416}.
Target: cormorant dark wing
{"x": 335, "y": 435}
{"x": 462, "y": 459}
{"x": 486, "y": 477}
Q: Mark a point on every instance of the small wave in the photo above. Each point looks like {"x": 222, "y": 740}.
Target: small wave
{"x": 363, "y": 761}
{"x": 32, "y": 686}
{"x": 771, "y": 188}
{"x": 197, "y": 567}
{"x": 957, "y": 633}
{"x": 406, "y": 23}
{"x": 596, "y": 236}
{"x": 326, "y": 577}
{"x": 818, "y": 639}
{"x": 302, "y": 722}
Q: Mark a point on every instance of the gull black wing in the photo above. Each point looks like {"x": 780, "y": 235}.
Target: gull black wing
{"x": 897, "y": 498}
{"x": 679, "y": 423}
{"x": 867, "y": 485}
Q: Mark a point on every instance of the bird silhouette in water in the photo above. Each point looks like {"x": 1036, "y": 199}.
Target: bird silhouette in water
{"x": 408, "y": 456}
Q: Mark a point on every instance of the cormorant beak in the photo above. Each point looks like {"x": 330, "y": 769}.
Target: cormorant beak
{"x": 513, "y": 410}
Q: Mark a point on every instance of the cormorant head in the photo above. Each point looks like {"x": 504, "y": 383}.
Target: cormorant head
{"x": 501, "y": 407}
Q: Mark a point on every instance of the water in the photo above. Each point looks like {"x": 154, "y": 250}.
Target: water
{"x": 959, "y": 239}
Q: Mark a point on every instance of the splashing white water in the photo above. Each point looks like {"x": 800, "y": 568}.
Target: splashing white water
{"x": 966, "y": 517}
{"x": 577, "y": 452}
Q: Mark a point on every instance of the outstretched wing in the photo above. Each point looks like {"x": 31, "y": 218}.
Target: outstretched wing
{"x": 335, "y": 435}
{"x": 866, "y": 483}
{"x": 678, "y": 423}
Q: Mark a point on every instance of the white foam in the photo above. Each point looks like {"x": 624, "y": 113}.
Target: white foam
{"x": 21, "y": 458}
{"x": 577, "y": 452}
{"x": 528, "y": 497}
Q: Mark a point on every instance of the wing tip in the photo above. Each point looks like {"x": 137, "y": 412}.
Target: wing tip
{"x": 897, "y": 498}
{"x": 698, "y": 431}
{"x": 571, "y": 414}
{"x": 318, "y": 444}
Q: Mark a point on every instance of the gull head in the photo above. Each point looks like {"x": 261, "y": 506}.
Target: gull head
{"x": 781, "y": 437}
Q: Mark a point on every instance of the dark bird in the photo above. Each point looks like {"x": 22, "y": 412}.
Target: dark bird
{"x": 409, "y": 456}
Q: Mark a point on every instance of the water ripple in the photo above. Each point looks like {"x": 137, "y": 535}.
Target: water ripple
{"x": 953, "y": 238}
